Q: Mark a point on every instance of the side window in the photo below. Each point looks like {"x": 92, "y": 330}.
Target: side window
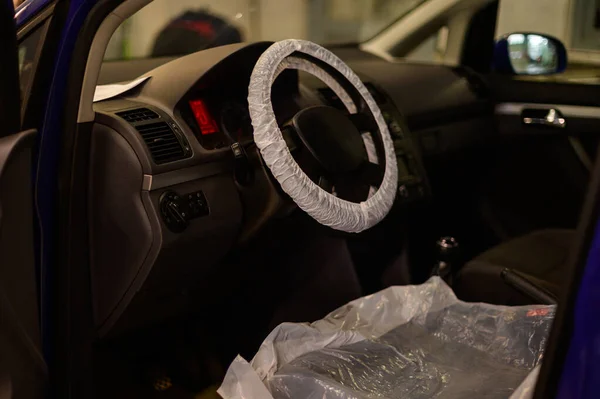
{"x": 585, "y": 27}
{"x": 431, "y": 50}
{"x": 30, "y": 47}
{"x": 575, "y": 23}
{"x": 167, "y": 28}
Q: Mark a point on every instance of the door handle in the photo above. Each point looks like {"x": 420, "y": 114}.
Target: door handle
{"x": 553, "y": 118}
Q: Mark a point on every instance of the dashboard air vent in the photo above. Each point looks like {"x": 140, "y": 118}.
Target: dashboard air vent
{"x": 162, "y": 142}
{"x": 138, "y": 115}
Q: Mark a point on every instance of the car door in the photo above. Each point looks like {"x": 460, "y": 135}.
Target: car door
{"x": 549, "y": 164}
{"x": 543, "y": 168}
{"x": 23, "y": 371}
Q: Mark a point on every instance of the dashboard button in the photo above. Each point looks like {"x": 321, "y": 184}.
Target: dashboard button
{"x": 177, "y": 211}
{"x": 395, "y": 128}
{"x": 174, "y": 217}
{"x": 403, "y": 191}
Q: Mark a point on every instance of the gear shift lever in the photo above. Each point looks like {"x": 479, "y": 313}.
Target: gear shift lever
{"x": 447, "y": 257}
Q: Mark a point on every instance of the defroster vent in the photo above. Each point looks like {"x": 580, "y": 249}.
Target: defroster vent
{"x": 162, "y": 142}
{"x": 138, "y": 115}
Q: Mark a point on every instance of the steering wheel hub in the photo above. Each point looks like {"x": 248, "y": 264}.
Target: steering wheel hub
{"x": 331, "y": 137}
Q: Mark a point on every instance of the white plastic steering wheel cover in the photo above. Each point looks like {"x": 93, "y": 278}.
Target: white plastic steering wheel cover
{"x": 322, "y": 206}
{"x": 305, "y": 65}
{"x": 310, "y": 67}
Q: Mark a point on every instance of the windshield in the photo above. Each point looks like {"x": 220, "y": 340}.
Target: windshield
{"x": 172, "y": 28}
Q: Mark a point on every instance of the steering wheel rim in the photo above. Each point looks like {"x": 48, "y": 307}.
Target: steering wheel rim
{"x": 322, "y": 206}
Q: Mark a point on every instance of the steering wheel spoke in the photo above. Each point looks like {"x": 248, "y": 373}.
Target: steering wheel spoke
{"x": 371, "y": 174}
{"x": 346, "y": 187}
{"x": 363, "y": 122}
{"x": 355, "y": 187}
{"x": 290, "y": 137}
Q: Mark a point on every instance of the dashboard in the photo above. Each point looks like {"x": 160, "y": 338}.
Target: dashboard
{"x": 231, "y": 121}
{"x": 176, "y": 181}
{"x": 216, "y": 108}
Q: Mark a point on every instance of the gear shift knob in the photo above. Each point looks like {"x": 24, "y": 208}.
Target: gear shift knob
{"x": 447, "y": 244}
{"x": 447, "y": 256}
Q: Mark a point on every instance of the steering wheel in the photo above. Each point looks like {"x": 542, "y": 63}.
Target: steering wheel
{"x": 334, "y": 139}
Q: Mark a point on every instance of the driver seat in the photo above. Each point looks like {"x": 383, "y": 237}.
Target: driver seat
{"x": 538, "y": 259}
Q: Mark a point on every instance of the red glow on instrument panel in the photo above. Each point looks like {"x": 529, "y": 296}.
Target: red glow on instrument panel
{"x": 205, "y": 120}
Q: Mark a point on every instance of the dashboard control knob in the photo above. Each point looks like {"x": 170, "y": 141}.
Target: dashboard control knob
{"x": 403, "y": 191}
{"x": 173, "y": 211}
{"x": 177, "y": 214}
{"x": 242, "y": 170}
{"x": 448, "y": 257}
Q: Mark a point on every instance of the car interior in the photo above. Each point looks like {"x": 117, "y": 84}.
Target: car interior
{"x": 196, "y": 253}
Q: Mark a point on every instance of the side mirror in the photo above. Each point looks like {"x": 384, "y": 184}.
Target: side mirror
{"x": 529, "y": 54}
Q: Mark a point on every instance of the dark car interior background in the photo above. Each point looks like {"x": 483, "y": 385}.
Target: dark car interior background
{"x": 509, "y": 193}
{"x": 196, "y": 253}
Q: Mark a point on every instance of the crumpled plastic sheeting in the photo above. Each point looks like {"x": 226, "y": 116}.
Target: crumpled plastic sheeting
{"x": 404, "y": 342}
{"x": 321, "y": 205}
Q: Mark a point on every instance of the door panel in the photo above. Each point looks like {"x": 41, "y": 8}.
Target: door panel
{"x": 547, "y": 141}
{"x": 516, "y": 99}
{"x": 22, "y": 367}
{"x": 10, "y": 94}
{"x": 543, "y": 118}
{"x": 579, "y": 123}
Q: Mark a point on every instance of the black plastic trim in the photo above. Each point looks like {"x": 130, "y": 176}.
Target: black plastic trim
{"x": 10, "y": 92}
{"x": 74, "y": 332}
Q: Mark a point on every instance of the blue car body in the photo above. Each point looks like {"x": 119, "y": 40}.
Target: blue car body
{"x": 581, "y": 373}
{"x": 28, "y": 9}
